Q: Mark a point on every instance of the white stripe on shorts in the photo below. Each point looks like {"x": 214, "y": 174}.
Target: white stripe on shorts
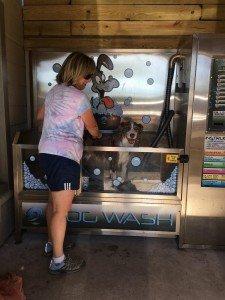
{"x": 67, "y": 185}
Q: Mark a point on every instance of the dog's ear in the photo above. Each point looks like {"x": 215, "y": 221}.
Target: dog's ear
{"x": 140, "y": 127}
{"x": 124, "y": 124}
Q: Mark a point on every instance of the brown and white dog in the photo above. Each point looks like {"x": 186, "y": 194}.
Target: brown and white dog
{"x": 129, "y": 136}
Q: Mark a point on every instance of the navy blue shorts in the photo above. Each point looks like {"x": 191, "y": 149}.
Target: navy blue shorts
{"x": 62, "y": 173}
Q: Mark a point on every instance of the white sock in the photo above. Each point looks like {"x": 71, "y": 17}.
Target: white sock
{"x": 58, "y": 260}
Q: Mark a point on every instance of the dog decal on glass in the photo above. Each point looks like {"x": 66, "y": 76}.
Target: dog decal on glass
{"x": 107, "y": 112}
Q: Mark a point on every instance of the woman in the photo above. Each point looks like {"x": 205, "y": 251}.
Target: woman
{"x": 65, "y": 112}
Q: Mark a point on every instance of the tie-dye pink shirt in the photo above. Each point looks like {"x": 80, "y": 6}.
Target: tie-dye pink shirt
{"x": 63, "y": 128}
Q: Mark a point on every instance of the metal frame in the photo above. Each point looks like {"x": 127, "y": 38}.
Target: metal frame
{"x": 110, "y": 196}
{"x": 203, "y": 209}
{"x": 18, "y": 186}
{"x": 95, "y": 198}
{"x": 188, "y": 139}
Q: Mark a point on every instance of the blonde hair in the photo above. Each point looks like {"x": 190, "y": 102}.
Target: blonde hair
{"x": 75, "y": 65}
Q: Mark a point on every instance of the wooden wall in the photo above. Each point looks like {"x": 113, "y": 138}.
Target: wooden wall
{"x": 4, "y": 125}
{"x": 13, "y": 107}
{"x": 15, "y": 59}
{"x": 117, "y": 23}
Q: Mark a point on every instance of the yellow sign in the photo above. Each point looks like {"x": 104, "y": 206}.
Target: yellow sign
{"x": 172, "y": 158}
{"x": 214, "y": 176}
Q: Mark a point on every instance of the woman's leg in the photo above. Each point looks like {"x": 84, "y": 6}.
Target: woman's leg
{"x": 61, "y": 202}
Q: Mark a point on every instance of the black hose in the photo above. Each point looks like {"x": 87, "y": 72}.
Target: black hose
{"x": 169, "y": 136}
{"x": 166, "y": 115}
{"x": 163, "y": 128}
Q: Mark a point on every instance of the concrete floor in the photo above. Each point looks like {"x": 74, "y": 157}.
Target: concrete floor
{"x": 119, "y": 268}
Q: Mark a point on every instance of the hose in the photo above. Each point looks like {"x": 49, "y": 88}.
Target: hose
{"x": 166, "y": 115}
{"x": 163, "y": 128}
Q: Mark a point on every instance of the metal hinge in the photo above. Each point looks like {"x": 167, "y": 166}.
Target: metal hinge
{"x": 184, "y": 158}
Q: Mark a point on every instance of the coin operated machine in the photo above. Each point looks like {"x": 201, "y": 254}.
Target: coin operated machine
{"x": 204, "y": 213}
{"x": 160, "y": 162}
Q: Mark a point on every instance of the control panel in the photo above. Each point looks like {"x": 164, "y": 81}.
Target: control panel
{"x": 216, "y": 108}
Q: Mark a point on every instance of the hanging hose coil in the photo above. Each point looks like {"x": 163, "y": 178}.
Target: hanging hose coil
{"x": 167, "y": 114}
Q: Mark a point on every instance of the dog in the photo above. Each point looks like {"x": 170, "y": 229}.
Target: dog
{"x": 129, "y": 136}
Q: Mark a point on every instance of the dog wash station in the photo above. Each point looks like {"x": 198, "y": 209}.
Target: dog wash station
{"x": 159, "y": 169}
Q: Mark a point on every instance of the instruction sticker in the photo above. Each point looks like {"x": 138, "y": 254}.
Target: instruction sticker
{"x": 214, "y": 177}
{"x": 213, "y": 167}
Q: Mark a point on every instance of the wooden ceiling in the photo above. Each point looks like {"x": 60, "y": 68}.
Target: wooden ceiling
{"x": 61, "y": 23}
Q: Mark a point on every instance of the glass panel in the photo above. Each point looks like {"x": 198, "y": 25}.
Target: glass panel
{"x": 127, "y": 172}
{"x": 33, "y": 176}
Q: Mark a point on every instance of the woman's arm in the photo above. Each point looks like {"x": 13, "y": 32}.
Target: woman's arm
{"x": 40, "y": 113}
{"x": 90, "y": 124}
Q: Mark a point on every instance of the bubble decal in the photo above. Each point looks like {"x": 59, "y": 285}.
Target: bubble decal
{"x": 110, "y": 158}
{"x": 30, "y": 182}
{"x": 150, "y": 81}
{"x": 56, "y": 67}
{"x": 146, "y": 119}
{"x": 97, "y": 172}
{"x": 32, "y": 158}
{"x": 148, "y": 63}
{"x": 119, "y": 178}
{"x": 95, "y": 102}
{"x": 167, "y": 187}
{"x": 85, "y": 182}
{"x": 118, "y": 110}
{"x": 135, "y": 161}
{"x": 116, "y": 182}
{"x": 115, "y": 56}
{"x": 128, "y": 73}
{"x": 128, "y": 101}
{"x": 49, "y": 84}
{"x": 102, "y": 109}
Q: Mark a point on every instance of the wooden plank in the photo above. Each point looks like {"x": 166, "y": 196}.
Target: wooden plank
{"x": 213, "y": 12}
{"x": 13, "y": 8}
{"x": 17, "y": 114}
{"x": 17, "y": 95}
{"x": 121, "y": 28}
{"x": 46, "y": 28}
{"x": 164, "y": 2}
{"x": 16, "y": 74}
{"x": 14, "y": 52}
{"x": 4, "y": 123}
{"x": 106, "y": 12}
{"x": 13, "y": 21}
{"x": 92, "y": 43}
{"x": 46, "y": 2}
{"x": 15, "y": 33}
